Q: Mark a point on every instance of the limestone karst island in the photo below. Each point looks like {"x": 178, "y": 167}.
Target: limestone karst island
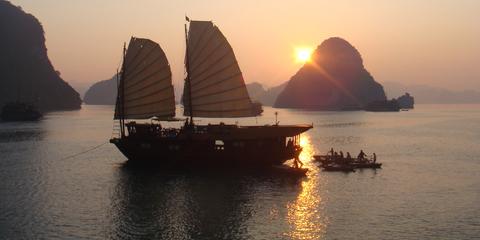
{"x": 26, "y": 71}
{"x": 335, "y": 79}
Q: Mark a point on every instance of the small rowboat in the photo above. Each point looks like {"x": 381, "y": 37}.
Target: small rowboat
{"x": 367, "y": 165}
{"x": 338, "y": 168}
{"x": 321, "y": 158}
{"x": 329, "y": 163}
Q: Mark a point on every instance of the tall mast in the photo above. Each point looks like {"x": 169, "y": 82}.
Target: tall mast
{"x": 122, "y": 91}
{"x": 188, "y": 83}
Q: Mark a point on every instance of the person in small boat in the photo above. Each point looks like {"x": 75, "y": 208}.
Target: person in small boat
{"x": 374, "y": 158}
{"x": 361, "y": 155}
{"x": 349, "y": 157}
{"x": 341, "y": 158}
{"x": 297, "y": 163}
{"x": 335, "y": 156}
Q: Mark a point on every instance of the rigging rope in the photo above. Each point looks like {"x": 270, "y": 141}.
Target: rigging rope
{"x": 83, "y": 152}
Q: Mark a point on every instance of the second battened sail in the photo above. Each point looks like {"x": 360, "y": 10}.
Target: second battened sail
{"x": 145, "y": 87}
{"x": 214, "y": 79}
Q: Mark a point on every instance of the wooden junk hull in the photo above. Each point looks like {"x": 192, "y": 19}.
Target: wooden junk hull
{"x": 214, "y": 146}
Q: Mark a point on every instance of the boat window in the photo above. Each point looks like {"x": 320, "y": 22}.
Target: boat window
{"x": 219, "y": 145}
{"x": 174, "y": 147}
{"x": 238, "y": 144}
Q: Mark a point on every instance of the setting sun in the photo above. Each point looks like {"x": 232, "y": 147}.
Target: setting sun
{"x": 303, "y": 54}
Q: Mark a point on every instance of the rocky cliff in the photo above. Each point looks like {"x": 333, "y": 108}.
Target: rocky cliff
{"x": 26, "y": 73}
{"x": 334, "y": 79}
{"x": 255, "y": 91}
{"x": 102, "y": 93}
{"x": 265, "y": 97}
{"x": 406, "y": 101}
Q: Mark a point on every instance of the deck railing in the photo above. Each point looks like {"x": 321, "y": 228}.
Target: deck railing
{"x": 116, "y": 129}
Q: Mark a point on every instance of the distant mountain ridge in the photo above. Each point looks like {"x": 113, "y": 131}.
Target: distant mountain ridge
{"x": 334, "y": 79}
{"x": 102, "y": 92}
{"x": 105, "y": 92}
{"x": 27, "y": 74}
{"x": 432, "y": 95}
{"x": 265, "y": 97}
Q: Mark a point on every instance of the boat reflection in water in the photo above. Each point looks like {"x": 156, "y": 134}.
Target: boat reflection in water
{"x": 147, "y": 204}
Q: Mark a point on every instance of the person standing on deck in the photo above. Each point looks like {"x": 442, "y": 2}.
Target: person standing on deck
{"x": 374, "y": 158}
{"x": 290, "y": 144}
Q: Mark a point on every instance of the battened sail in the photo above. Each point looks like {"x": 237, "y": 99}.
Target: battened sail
{"x": 145, "y": 88}
{"x": 214, "y": 80}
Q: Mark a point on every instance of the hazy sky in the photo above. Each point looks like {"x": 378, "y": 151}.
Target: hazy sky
{"x": 434, "y": 42}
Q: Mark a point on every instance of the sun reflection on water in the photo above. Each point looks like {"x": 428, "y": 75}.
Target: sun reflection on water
{"x": 307, "y": 149}
{"x": 306, "y": 214}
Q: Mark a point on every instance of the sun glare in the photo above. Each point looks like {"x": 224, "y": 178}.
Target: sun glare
{"x": 303, "y": 54}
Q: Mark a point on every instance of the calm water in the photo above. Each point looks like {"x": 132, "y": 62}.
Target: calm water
{"x": 429, "y": 187}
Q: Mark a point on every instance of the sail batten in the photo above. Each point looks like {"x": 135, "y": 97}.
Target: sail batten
{"x": 139, "y": 63}
{"x": 165, "y": 115}
{"x": 218, "y": 92}
{"x": 146, "y": 67}
{"x": 216, "y": 72}
{"x": 211, "y": 78}
{"x": 146, "y": 88}
{"x": 210, "y": 55}
{"x": 194, "y": 47}
{"x": 144, "y": 79}
{"x": 152, "y": 94}
{"x": 148, "y": 103}
{"x": 215, "y": 86}
{"x": 219, "y": 102}
{"x": 136, "y": 58}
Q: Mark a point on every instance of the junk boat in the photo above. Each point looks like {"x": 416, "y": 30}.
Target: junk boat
{"x": 214, "y": 88}
{"x": 19, "y": 111}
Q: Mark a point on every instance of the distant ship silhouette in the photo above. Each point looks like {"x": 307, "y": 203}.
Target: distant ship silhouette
{"x": 19, "y": 111}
